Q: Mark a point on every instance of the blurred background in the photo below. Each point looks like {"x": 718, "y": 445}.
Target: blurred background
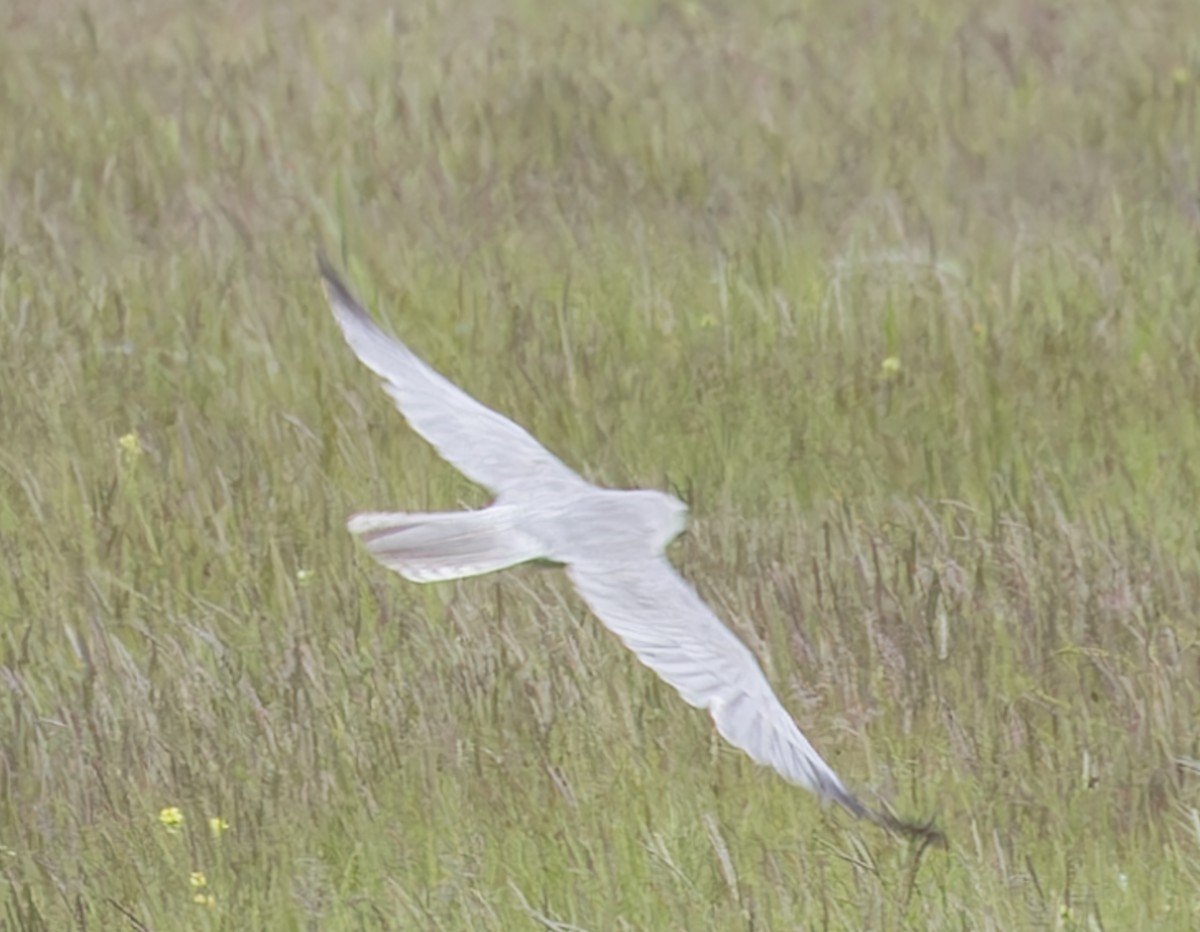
{"x": 901, "y": 297}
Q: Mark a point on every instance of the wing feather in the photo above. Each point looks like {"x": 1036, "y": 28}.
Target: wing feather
{"x": 485, "y": 446}
{"x": 658, "y": 616}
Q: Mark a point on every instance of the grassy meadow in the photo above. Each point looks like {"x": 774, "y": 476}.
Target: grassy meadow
{"x": 902, "y": 298}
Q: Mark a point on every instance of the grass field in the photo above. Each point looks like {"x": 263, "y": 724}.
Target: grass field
{"x": 903, "y": 298}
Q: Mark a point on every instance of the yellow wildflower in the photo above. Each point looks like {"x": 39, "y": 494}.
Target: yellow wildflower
{"x": 131, "y": 448}
{"x": 204, "y": 899}
{"x": 217, "y": 826}
{"x": 172, "y": 819}
{"x": 891, "y": 367}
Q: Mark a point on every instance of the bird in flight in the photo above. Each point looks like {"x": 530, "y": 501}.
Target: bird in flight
{"x": 611, "y": 542}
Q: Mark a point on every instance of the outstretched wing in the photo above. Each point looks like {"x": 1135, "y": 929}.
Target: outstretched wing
{"x": 485, "y": 446}
{"x": 658, "y": 616}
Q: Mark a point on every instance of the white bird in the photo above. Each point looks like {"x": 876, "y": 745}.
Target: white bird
{"x": 611, "y": 542}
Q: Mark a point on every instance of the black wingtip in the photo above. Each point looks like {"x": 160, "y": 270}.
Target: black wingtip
{"x": 324, "y": 265}
{"x": 333, "y": 280}
{"x": 336, "y": 288}
{"x": 925, "y": 832}
{"x": 922, "y": 831}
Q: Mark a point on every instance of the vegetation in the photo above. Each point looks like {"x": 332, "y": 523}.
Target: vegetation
{"x": 902, "y": 297}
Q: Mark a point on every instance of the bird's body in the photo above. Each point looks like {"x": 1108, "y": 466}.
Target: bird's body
{"x": 611, "y": 542}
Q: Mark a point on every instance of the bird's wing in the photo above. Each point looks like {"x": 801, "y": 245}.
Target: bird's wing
{"x": 485, "y": 446}
{"x": 658, "y": 616}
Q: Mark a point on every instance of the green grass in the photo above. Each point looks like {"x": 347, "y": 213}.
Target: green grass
{"x": 681, "y": 245}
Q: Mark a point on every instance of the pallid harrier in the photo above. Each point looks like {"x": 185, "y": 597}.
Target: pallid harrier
{"x": 611, "y": 542}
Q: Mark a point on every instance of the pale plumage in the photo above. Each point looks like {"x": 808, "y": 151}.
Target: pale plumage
{"x": 611, "y": 542}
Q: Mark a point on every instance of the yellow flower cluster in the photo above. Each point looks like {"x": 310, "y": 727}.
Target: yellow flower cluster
{"x": 131, "y": 448}
{"x": 172, "y": 819}
{"x": 198, "y": 882}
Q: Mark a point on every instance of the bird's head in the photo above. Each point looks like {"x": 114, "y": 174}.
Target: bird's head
{"x": 670, "y": 518}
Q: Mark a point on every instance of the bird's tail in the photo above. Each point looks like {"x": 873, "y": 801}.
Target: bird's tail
{"x": 445, "y": 545}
